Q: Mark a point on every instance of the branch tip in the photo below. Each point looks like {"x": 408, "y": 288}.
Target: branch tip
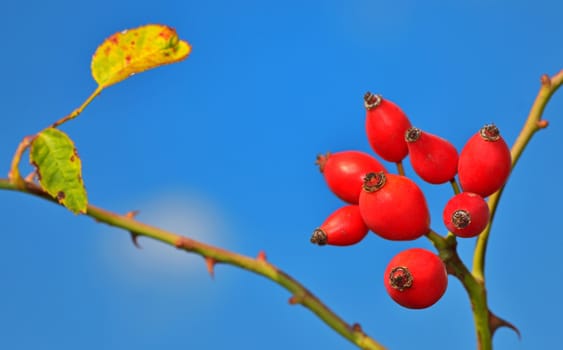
{"x": 134, "y": 239}
{"x": 210, "y": 263}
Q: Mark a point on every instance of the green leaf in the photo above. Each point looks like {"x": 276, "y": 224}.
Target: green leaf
{"x": 136, "y": 50}
{"x": 59, "y": 168}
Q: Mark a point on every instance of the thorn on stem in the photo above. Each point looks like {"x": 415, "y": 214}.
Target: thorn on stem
{"x": 542, "y": 124}
{"x": 261, "y": 256}
{"x": 132, "y": 214}
{"x": 496, "y": 322}
{"x": 31, "y": 177}
{"x": 134, "y": 239}
{"x": 210, "y": 262}
{"x": 293, "y": 300}
{"x": 356, "y": 327}
{"x": 296, "y": 299}
{"x": 545, "y": 80}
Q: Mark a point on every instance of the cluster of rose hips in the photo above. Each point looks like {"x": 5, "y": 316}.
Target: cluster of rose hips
{"x": 394, "y": 207}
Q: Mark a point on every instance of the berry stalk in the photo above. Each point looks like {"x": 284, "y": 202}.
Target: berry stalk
{"x": 447, "y": 250}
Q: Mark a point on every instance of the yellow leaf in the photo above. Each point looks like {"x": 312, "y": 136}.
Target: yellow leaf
{"x": 136, "y": 50}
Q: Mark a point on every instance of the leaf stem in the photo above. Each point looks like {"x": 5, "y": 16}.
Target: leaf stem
{"x": 79, "y": 110}
{"x": 14, "y": 175}
{"x": 259, "y": 265}
{"x": 533, "y": 124}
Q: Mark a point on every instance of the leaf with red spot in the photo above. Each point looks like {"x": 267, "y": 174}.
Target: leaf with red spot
{"x": 136, "y": 50}
{"x": 59, "y": 169}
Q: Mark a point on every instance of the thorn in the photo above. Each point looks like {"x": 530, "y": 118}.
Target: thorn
{"x": 210, "y": 262}
{"x": 542, "y": 124}
{"x": 296, "y": 299}
{"x": 357, "y": 328}
{"x": 496, "y": 322}
{"x": 545, "y": 80}
{"x": 31, "y": 177}
{"x": 261, "y": 256}
{"x": 134, "y": 237}
{"x": 132, "y": 214}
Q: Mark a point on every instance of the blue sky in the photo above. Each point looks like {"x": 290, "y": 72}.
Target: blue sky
{"x": 221, "y": 147}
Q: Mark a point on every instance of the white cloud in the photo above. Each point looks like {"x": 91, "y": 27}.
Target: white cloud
{"x": 186, "y": 213}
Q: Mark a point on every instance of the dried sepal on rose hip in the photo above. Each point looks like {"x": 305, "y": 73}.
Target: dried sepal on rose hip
{"x": 484, "y": 162}
{"x": 344, "y": 172}
{"x": 433, "y": 158}
{"x": 466, "y": 214}
{"x": 386, "y": 124}
{"x": 415, "y": 278}
{"x": 342, "y": 228}
{"x": 394, "y": 207}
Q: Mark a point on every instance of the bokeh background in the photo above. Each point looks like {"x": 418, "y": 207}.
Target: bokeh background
{"x": 221, "y": 147}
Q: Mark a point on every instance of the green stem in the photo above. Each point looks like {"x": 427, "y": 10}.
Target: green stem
{"x": 455, "y": 186}
{"x": 259, "y": 265}
{"x": 447, "y": 250}
{"x": 14, "y": 174}
{"x": 533, "y": 124}
{"x": 477, "y": 296}
{"x": 79, "y": 110}
{"x": 438, "y": 241}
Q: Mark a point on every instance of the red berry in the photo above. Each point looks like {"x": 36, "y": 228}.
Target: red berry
{"x": 484, "y": 162}
{"x": 344, "y": 172}
{"x": 432, "y": 158}
{"x": 386, "y": 124}
{"x": 466, "y": 214}
{"x": 394, "y": 207}
{"x": 416, "y": 278}
{"x": 343, "y": 227}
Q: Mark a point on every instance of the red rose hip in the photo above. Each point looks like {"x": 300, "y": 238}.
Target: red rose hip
{"x": 416, "y": 278}
{"x": 343, "y": 227}
{"x": 394, "y": 207}
{"x": 344, "y": 172}
{"x": 485, "y": 162}
{"x": 386, "y": 124}
{"x": 432, "y": 158}
{"x": 466, "y": 214}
